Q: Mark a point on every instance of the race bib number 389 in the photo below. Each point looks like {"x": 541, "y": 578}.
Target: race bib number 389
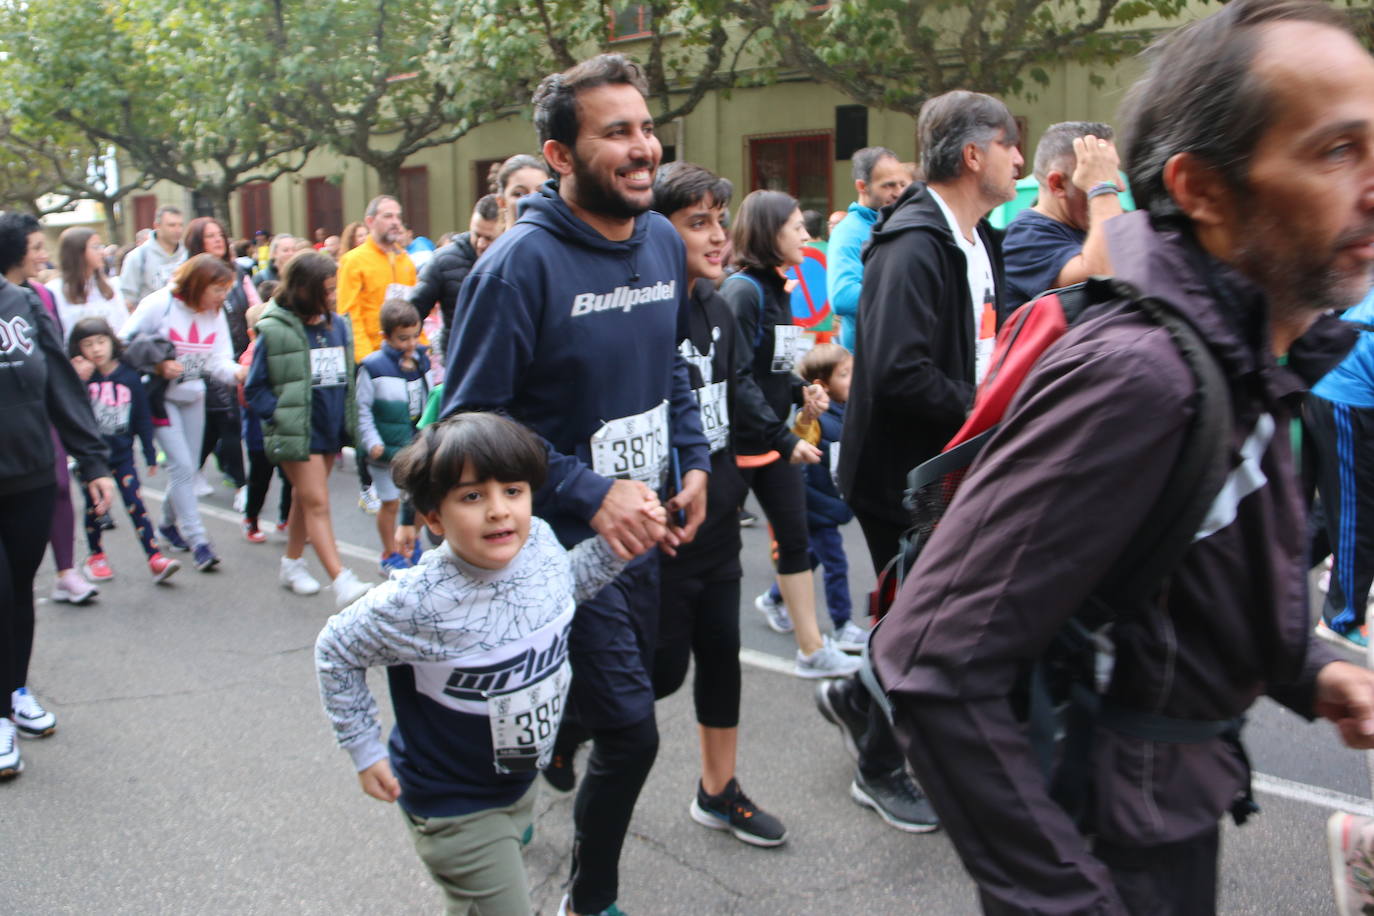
{"x": 634, "y": 447}
{"x": 524, "y": 722}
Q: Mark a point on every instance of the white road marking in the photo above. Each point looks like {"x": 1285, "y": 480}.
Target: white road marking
{"x": 1263, "y": 783}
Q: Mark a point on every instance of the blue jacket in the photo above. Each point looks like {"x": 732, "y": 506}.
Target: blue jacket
{"x": 390, "y": 401}
{"x": 844, "y": 269}
{"x": 824, "y": 506}
{"x": 1352, "y": 382}
{"x": 566, "y": 331}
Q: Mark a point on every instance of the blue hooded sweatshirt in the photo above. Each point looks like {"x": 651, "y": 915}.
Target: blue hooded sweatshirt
{"x": 575, "y": 336}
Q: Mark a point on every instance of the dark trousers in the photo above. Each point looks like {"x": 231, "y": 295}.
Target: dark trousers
{"x": 611, "y": 646}
{"x": 1175, "y": 879}
{"x": 259, "y": 479}
{"x": 700, "y": 620}
{"x": 827, "y": 552}
{"x": 126, "y": 478}
{"x": 223, "y": 436}
{"x": 781, "y": 491}
{"x": 1343, "y": 437}
{"x": 878, "y": 750}
{"x": 24, "y": 525}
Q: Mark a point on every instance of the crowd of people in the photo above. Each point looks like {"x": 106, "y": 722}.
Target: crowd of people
{"x": 569, "y": 402}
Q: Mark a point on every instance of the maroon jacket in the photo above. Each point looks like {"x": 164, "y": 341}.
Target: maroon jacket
{"x": 1085, "y": 450}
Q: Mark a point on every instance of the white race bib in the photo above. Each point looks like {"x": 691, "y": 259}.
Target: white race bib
{"x": 635, "y": 448}
{"x": 192, "y": 365}
{"x": 524, "y": 722}
{"x": 415, "y": 397}
{"x": 715, "y": 414}
{"x": 328, "y": 368}
{"x": 397, "y": 291}
{"x": 786, "y": 341}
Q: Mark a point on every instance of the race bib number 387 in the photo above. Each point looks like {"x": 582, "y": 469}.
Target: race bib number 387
{"x": 634, "y": 447}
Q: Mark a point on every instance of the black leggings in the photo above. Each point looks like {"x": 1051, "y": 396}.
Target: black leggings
{"x": 781, "y": 491}
{"x": 617, "y": 767}
{"x": 25, "y": 520}
{"x": 223, "y": 432}
{"x": 259, "y": 479}
{"x": 700, "y": 619}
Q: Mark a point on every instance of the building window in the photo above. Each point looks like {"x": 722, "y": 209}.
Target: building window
{"x": 798, "y": 165}
{"x": 323, "y": 207}
{"x": 255, "y": 208}
{"x": 415, "y": 199}
{"x": 633, "y": 20}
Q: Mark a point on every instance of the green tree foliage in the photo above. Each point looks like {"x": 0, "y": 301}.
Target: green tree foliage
{"x": 895, "y": 54}
{"x": 168, "y": 82}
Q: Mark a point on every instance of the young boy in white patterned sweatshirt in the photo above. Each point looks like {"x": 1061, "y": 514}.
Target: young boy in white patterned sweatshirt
{"x": 475, "y": 640}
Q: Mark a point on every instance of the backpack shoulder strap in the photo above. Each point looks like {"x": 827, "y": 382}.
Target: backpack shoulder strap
{"x": 758, "y": 288}
{"x": 1198, "y": 475}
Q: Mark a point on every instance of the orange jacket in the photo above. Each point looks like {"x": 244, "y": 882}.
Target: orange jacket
{"x": 365, "y": 273}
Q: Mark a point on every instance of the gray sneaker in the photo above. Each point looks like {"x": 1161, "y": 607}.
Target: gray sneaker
{"x": 827, "y": 661}
{"x": 897, "y": 800}
{"x": 850, "y": 637}
{"x": 775, "y": 612}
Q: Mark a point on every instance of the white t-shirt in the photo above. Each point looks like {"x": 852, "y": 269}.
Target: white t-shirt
{"x": 982, "y": 288}
{"x": 96, "y": 305}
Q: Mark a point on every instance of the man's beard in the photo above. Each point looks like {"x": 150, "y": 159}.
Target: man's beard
{"x": 597, "y": 195}
{"x": 1296, "y": 280}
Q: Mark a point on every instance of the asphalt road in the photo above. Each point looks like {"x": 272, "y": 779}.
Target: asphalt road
{"x": 193, "y": 772}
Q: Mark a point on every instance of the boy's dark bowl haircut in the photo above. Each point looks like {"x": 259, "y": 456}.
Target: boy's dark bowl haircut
{"x": 496, "y": 447}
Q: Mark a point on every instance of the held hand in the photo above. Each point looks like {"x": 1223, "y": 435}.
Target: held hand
{"x": 84, "y": 367}
{"x": 102, "y": 493}
{"x": 1345, "y": 696}
{"x": 815, "y": 401}
{"x": 405, "y": 540}
{"x": 378, "y": 782}
{"x": 169, "y": 369}
{"x": 240, "y": 374}
{"x": 691, "y": 499}
{"x": 376, "y": 451}
{"x": 1097, "y": 162}
{"x": 805, "y": 453}
{"x": 619, "y": 520}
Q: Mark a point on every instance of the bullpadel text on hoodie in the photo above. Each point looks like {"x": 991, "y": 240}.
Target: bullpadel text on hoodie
{"x": 575, "y": 336}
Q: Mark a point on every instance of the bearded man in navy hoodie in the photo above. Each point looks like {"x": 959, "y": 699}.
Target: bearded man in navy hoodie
{"x": 570, "y": 324}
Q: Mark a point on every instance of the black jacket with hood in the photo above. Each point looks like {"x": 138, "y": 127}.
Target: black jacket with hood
{"x": 38, "y": 387}
{"x": 766, "y": 394}
{"x": 914, "y": 356}
{"x": 442, "y": 277}
{"x": 1055, "y": 497}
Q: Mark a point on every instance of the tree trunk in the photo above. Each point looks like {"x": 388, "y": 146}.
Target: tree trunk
{"x": 112, "y": 236}
{"x": 388, "y": 175}
{"x": 219, "y": 201}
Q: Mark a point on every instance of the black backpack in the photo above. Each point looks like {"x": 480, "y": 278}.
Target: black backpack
{"x": 1059, "y": 697}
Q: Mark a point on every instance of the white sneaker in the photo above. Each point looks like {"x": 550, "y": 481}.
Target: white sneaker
{"x": 240, "y": 499}
{"x": 203, "y": 487}
{"x": 368, "y": 501}
{"x": 775, "y": 612}
{"x": 827, "y": 661}
{"x": 32, "y": 720}
{"x": 11, "y": 763}
{"x": 850, "y": 637}
{"x": 296, "y": 577}
{"x": 73, "y": 589}
{"x": 348, "y": 588}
